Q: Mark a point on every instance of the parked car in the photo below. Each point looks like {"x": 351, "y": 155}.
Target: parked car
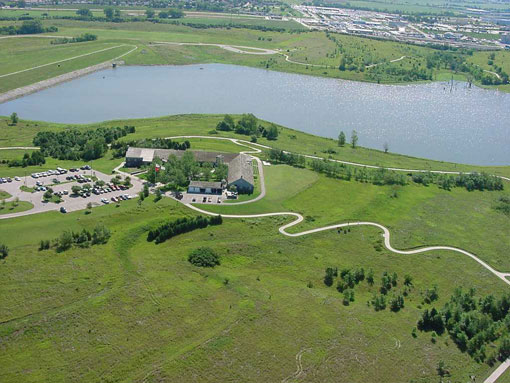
{"x": 63, "y": 209}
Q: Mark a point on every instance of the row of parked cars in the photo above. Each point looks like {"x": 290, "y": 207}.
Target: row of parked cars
{"x": 50, "y": 172}
{"x": 122, "y": 197}
{"x": 8, "y": 179}
{"x": 78, "y": 177}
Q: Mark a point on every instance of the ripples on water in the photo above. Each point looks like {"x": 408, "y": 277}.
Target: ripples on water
{"x": 425, "y": 120}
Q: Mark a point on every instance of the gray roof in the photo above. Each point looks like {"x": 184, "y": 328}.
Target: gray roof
{"x": 240, "y": 168}
{"x": 200, "y": 156}
{"x": 205, "y": 184}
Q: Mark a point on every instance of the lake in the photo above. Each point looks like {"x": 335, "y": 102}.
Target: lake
{"x": 427, "y": 120}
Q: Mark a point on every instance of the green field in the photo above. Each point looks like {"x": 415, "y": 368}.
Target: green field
{"x": 14, "y": 207}
{"x": 314, "y": 53}
{"x": 132, "y": 310}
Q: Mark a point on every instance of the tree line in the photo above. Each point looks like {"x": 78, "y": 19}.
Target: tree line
{"x": 478, "y": 326}
{"x": 77, "y": 144}
{"x": 180, "y": 226}
{"x": 99, "y": 236}
{"x": 28, "y": 27}
{"x": 248, "y": 125}
{"x": 37, "y": 158}
{"x": 79, "y": 39}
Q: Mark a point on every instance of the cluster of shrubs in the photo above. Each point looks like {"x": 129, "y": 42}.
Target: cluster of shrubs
{"x": 100, "y": 235}
{"x": 249, "y": 126}
{"x": 471, "y": 181}
{"x": 37, "y": 158}
{"x": 379, "y": 176}
{"x": 180, "y": 226}
{"x": 279, "y": 156}
{"x": 28, "y": 27}
{"x": 78, "y": 144}
{"x": 503, "y": 204}
{"x": 350, "y": 278}
{"x": 4, "y": 251}
{"x": 80, "y": 39}
{"x": 478, "y": 326}
{"x": 204, "y": 257}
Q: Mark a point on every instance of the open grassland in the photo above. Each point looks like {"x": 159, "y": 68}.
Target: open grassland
{"x": 14, "y": 207}
{"x": 179, "y": 125}
{"x": 132, "y": 310}
{"x": 26, "y": 53}
{"x": 312, "y": 53}
{"x": 418, "y": 215}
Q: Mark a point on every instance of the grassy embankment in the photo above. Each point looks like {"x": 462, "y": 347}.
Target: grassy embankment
{"x": 289, "y": 139}
{"x": 304, "y": 47}
{"x": 133, "y": 310}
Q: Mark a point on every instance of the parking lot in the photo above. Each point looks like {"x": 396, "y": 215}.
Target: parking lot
{"x": 212, "y": 199}
{"x": 61, "y": 183}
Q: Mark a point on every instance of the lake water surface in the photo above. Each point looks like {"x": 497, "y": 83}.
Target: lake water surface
{"x": 427, "y": 120}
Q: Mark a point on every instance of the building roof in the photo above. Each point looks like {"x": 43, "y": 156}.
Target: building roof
{"x": 205, "y": 184}
{"x": 147, "y": 155}
{"x": 240, "y": 168}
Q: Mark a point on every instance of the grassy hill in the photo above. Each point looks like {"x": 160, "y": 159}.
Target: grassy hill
{"x": 131, "y": 310}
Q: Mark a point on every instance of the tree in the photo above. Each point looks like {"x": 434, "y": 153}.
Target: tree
{"x": 75, "y": 189}
{"x": 272, "y": 132}
{"x": 341, "y": 139}
{"x": 108, "y": 12}
{"x": 3, "y": 204}
{"x": 145, "y": 190}
{"x": 14, "y": 118}
{"x": 101, "y": 235}
{"x": 163, "y": 15}
{"x": 4, "y": 251}
{"x": 204, "y": 257}
{"x": 158, "y": 195}
{"x": 16, "y": 201}
{"x": 65, "y": 241}
{"x": 386, "y": 147}
{"x": 30, "y": 27}
{"x": 408, "y": 280}
{"x": 117, "y": 13}
{"x": 141, "y": 197}
{"x": 175, "y": 13}
{"x": 149, "y": 13}
{"x": 354, "y": 139}
{"x": 84, "y": 12}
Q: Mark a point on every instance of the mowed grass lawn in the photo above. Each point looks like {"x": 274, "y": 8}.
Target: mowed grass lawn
{"x": 132, "y": 310}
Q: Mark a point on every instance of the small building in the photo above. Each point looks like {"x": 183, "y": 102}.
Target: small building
{"x": 203, "y": 187}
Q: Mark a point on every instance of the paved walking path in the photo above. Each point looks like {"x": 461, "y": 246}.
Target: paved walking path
{"x": 386, "y": 233}
{"x": 231, "y": 48}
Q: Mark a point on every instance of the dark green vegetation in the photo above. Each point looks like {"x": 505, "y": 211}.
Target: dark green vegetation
{"x": 204, "y": 257}
{"x": 180, "y": 226}
{"x": 83, "y": 239}
{"x": 132, "y": 309}
{"x": 80, "y": 39}
{"x": 478, "y": 326}
{"x": 31, "y": 27}
{"x": 248, "y": 125}
{"x": 73, "y": 144}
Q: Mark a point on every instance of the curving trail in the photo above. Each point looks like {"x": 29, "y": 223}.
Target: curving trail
{"x": 386, "y": 233}
{"x": 231, "y": 48}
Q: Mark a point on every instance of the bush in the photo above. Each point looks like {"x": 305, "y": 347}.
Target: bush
{"x": 180, "y": 226}
{"x": 4, "y": 251}
{"x": 204, "y": 257}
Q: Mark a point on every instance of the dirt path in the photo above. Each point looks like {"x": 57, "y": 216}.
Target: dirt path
{"x": 232, "y": 48}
